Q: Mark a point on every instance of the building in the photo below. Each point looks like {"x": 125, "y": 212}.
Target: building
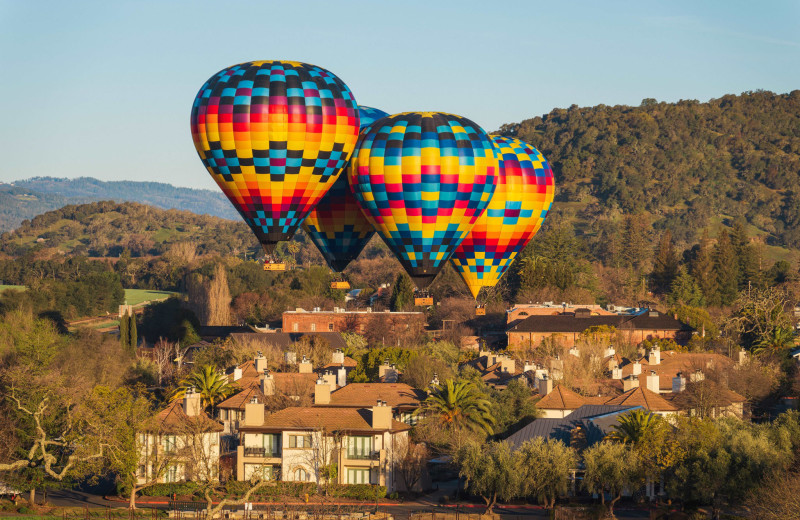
{"x": 496, "y": 370}
{"x": 567, "y": 328}
{"x": 341, "y": 320}
{"x": 403, "y": 399}
{"x": 180, "y": 443}
{"x": 296, "y": 444}
{"x": 521, "y": 311}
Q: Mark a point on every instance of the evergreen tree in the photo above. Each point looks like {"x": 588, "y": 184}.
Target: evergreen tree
{"x": 665, "y": 264}
{"x": 703, "y": 271}
{"x": 746, "y": 255}
{"x": 124, "y": 331}
{"x": 685, "y": 290}
{"x": 635, "y": 245}
{"x": 726, "y": 269}
{"x": 402, "y": 293}
{"x": 133, "y": 336}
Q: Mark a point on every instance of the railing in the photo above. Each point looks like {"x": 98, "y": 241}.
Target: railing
{"x": 373, "y": 455}
{"x": 260, "y": 452}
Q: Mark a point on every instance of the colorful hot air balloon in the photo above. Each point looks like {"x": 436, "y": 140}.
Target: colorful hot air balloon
{"x": 336, "y": 225}
{"x": 524, "y": 194}
{"x": 422, "y": 179}
{"x": 274, "y": 135}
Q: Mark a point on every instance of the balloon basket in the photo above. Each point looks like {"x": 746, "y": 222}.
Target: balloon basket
{"x": 480, "y": 311}
{"x": 340, "y": 285}
{"x": 274, "y": 267}
{"x": 422, "y": 299}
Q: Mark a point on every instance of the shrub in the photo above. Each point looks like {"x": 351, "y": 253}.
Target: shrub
{"x": 167, "y": 490}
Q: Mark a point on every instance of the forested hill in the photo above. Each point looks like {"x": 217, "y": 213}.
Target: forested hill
{"x": 109, "y": 228}
{"x": 683, "y": 166}
{"x": 28, "y": 198}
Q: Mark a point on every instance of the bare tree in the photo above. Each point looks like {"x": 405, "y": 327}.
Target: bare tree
{"x": 320, "y": 457}
{"x": 219, "y": 298}
{"x": 163, "y": 358}
{"x": 410, "y": 460}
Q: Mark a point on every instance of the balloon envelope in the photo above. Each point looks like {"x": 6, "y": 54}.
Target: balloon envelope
{"x": 336, "y": 225}
{"x": 422, "y": 179}
{"x": 524, "y": 194}
{"x": 274, "y": 135}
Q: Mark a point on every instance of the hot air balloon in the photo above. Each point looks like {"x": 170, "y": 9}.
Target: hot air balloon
{"x": 422, "y": 179}
{"x": 275, "y": 136}
{"x": 336, "y": 225}
{"x": 524, "y": 194}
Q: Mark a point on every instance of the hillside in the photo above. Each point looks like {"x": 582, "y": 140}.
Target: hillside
{"x": 28, "y": 198}
{"x": 685, "y": 166}
{"x": 101, "y": 229}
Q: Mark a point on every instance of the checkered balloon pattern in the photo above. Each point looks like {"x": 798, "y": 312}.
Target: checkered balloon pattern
{"x": 336, "y": 225}
{"x": 422, "y": 179}
{"x": 274, "y": 135}
{"x": 524, "y": 194}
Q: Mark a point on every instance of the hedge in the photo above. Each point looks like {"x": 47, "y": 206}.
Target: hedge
{"x": 235, "y": 489}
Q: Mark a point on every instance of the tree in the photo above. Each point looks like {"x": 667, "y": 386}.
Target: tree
{"x": 410, "y": 460}
{"x": 546, "y": 467}
{"x": 777, "y": 498}
{"x": 726, "y": 269}
{"x": 761, "y": 320}
{"x": 685, "y": 290}
{"x": 459, "y": 404}
{"x": 219, "y": 298}
{"x": 703, "y": 271}
{"x": 212, "y": 385}
{"x": 746, "y": 254}
{"x": 133, "y": 334}
{"x": 513, "y": 407}
{"x": 632, "y": 427}
{"x": 124, "y": 331}
{"x": 665, "y": 264}
{"x": 320, "y": 457}
{"x": 611, "y": 468}
{"x": 490, "y": 470}
{"x": 402, "y": 293}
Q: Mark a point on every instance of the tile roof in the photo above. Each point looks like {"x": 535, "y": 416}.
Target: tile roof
{"x": 645, "y": 398}
{"x": 317, "y": 417}
{"x": 348, "y": 363}
{"x": 289, "y": 383}
{"x": 572, "y": 323}
{"x": 173, "y": 420}
{"x": 561, "y": 398}
{"x": 396, "y": 395}
{"x": 284, "y": 339}
{"x": 239, "y": 399}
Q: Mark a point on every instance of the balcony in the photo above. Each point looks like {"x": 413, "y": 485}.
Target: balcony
{"x": 373, "y": 455}
{"x": 264, "y": 453}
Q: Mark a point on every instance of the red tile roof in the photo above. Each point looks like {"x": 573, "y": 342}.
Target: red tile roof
{"x": 317, "y": 417}
{"x": 396, "y": 395}
{"x": 173, "y": 420}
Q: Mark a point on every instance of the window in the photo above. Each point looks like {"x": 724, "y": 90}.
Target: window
{"x": 172, "y": 474}
{"x": 300, "y": 475}
{"x": 294, "y": 327}
{"x": 330, "y": 327}
{"x": 359, "y": 447}
{"x": 169, "y": 443}
{"x": 357, "y": 476}
{"x": 265, "y": 472}
{"x": 299, "y": 441}
{"x": 313, "y": 327}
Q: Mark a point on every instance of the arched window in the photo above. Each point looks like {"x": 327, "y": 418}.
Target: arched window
{"x": 300, "y": 475}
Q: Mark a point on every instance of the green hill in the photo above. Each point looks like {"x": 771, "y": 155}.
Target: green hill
{"x": 683, "y": 166}
{"x": 25, "y": 199}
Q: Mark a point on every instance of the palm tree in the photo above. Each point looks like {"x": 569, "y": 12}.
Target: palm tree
{"x": 775, "y": 340}
{"x": 212, "y": 385}
{"x": 633, "y": 426}
{"x": 459, "y": 403}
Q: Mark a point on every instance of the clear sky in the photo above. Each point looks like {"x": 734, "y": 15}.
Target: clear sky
{"x": 104, "y": 89}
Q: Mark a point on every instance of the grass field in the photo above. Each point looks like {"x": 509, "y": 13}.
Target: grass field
{"x": 17, "y": 287}
{"x": 137, "y": 296}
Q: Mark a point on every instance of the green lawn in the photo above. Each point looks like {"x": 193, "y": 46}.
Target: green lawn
{"x": 17, "y": 287}
{"x": 137, "y": 296}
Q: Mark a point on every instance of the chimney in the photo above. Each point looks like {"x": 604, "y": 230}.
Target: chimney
{"x": 637, "y": 368}
{"x": 237, "y": 373}
{"x": 305, "y": 367}
{"x": 678, "y": 383}
{"x": 330, "y": 379}
{"x": 507, "y": 364}
{"x": 381, "y": 416}
{"x": 260, "y": 362}
{"x": 742, "y": 359}
{"x": 654, "y": 357}
{"x": 192, "y": 405}
{"x": 435, "y": 380}
{"x": 528, "y": 366}
{"x": 616, "y": 373}
{"x": 629, "y": 383}
{"x": 337, "y": 358}
{"x": 254, "y": 413}
{"x": 652, "y": 382}
{"x": 290, "y": 358}
{"x": 322, "y": 392}
{"x": 545, "y": 385}
{"x": 609, "y": 351}
{"x": 385, "y": 367}
{"x": 487, "y": 354}
{"x": 574, "y": 351}
{"x": 268, "y": 383}
{"x": 341, "y": 376}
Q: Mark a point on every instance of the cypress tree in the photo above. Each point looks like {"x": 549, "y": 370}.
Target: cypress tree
{"x": 124, "y": 331}
{"x": 726, "y": 269}
{"x": 746, "y": 255}
{"x": 665, "y": 264}
{"x": 133, "y": 333}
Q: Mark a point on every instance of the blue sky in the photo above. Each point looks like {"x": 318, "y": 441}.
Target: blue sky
{"x": 104, "y": 89}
